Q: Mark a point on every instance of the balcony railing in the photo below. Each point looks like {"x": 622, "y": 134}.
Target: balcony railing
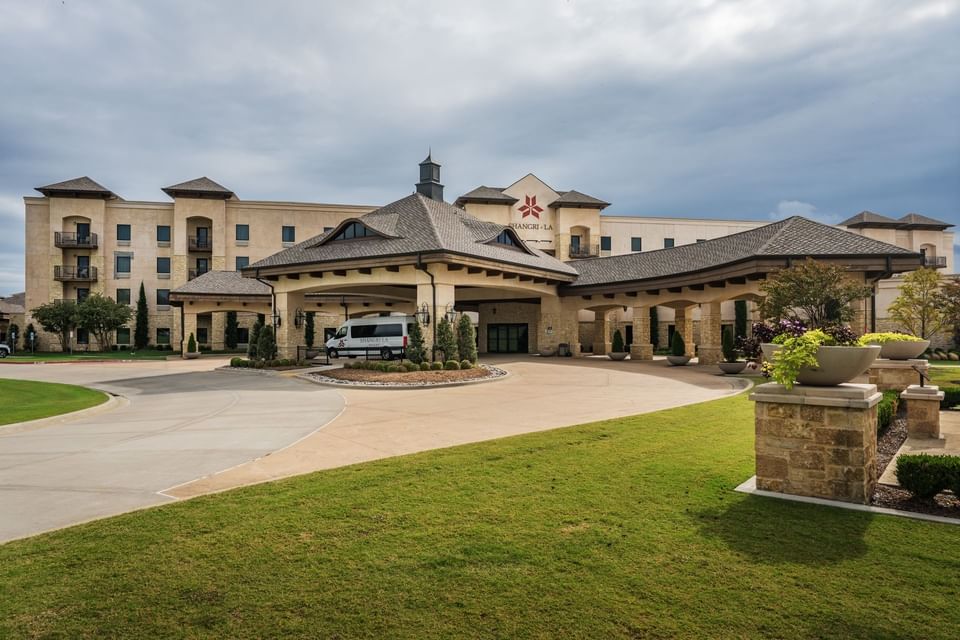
{"x": 584, "y": 251}
{"x": 937, "y": 262}
{"x": 73, "y": 240}
{"x": 200, "y": 244}
{"x": 72, "y": 273}
{"x": 196, "y": 273}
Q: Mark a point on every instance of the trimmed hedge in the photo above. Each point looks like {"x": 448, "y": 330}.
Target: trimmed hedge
{"x": 951, "y": 397}
{"x": 887, "y": 410}
{"x": 424, "y": 366}
{"x": 466, "y": 364}
{"x": 451, "y": 365}
{"x": 436, "y": 366}
{"x": 243, "y": 363}
{"x": 925, "y": 476}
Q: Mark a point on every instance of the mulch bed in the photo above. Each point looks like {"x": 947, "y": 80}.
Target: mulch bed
{"x": 888, "y": 444}
{"x": 407, "y": 378}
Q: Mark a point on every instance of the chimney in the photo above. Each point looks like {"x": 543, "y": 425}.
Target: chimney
{"x": 429, "y": 184}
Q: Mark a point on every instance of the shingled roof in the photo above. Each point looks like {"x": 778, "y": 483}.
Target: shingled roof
{"x": 82, "y": 187}
{"x": 198, "y": 188}
{"x": 792, "y": 237}
{"x": 13, "y": 304}
{"x": 223, "y": 283}
{"x": 416, "y": 225}
{"x": 577, "y": 199}
{"x": 869, "y": 219}
{"x": 487, "y": 195}
{"x": 917, "y": 221}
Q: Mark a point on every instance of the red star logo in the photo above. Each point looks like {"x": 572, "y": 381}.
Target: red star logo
{"x": 530, "y": 208}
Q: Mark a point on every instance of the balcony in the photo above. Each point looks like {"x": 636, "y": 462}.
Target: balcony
{"x": 199, "y": 244}
{"x": 72, "y": 240}
{"x": 196, "y": 273}
{"x": 72, "y": 273}
{"x": 584, "y": 251}
{"x": 935, "y": 262}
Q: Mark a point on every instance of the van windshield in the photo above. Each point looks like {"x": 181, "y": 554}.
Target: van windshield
{"x": 341, "y": 333}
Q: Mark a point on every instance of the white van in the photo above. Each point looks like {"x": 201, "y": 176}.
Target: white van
{"x": 385, "y": 336}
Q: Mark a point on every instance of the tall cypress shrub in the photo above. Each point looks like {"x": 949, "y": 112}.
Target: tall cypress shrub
{"x": 740, "y": 321}
{"x": 416, "y": 352}
{"x": 466, "y": 339}
{"x": 309, "y": 334}
{"x": 231, "y": 333}
{"x": 141, "y": 331}
{"x": 446, "y": 342}
{"x": 266, "y": 345}
{"x": 252, "y": 345}
{"x": 654, "y": 327}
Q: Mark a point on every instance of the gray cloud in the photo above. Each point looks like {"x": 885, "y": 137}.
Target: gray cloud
{"x": 714, "y": 109}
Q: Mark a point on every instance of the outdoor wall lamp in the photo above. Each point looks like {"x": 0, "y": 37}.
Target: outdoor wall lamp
{"x": 298, "y": 318}
{"x": 451, "y": 313}
{"x": 423, "y": 314}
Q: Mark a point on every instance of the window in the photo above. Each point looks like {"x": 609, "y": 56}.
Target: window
{"x": 701, "y": 240}
{"x": 668, "y": 243}
{"x": 83, "y": 336}
{"x": 354, "y": 230}
{"x": 243, "y": 233}
{"x": 327, "y": 229}
{"x": 123, "y": 265}
{"x": 288, "y": 234}
{"x": 202, "y": 337}
{"x": 243, "y": 335}
{"x": 123, "y": 233}
{"x": 506, "y": 238}
{"x": 123, "y": 296}
{"x": 243, "y": 262}
{"x": 604, "y": 243}
{"x": 163, "y": 296}
{"x": 123, "y": 335}
{"x": 388, "y": 330}
{"x": 82, "y": 294}
{"x": 163, "y": 234}
{"x": 163, "y": 265}
{"x": 636, "y": 244}
{"x": 363, "y": 331}
{"x": 163, "y": 335}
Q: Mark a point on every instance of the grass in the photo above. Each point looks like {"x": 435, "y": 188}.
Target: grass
{"x": 944, "y": 374}
{"x": 626, "y": 528}
{"x": 81, "y": 356}
{"x": 26, "y": 400}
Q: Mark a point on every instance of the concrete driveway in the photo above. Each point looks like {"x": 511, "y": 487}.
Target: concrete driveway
{"x": 181, "y": 421}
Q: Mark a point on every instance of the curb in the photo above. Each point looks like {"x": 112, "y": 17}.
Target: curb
{"x": 113, "y": 402}
{"x": 401, "y": 386}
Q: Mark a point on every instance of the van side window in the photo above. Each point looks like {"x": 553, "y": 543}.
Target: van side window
{"x": 362, "y": 331}
{"x": 388, "y": 330}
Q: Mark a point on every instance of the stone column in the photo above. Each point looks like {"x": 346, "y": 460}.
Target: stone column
{"x": 895, "y": 375}
{"x": 817, "y": 441}
{"x": 641, "y": 349}
{"x": 601, "y": 333}
{"x": 711, "y": 334}
{"x": 288, "y": 335}
{"x": 189, "y": 326}
{"x": 445, "y": 296}
{"x": 923, "y": 410}
{"x": 683, "y": 322}
{"x": 556, "y": 325}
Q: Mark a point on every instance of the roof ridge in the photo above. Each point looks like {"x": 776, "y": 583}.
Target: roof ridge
{"x": 788, "y": 221}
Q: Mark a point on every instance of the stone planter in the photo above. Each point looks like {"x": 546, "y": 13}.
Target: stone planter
{"x": 732, "y": 367}
{"x": 191, "y": 355}
{"x": 548, "y": 352}
{"x": 903, "y": 350}
{"x": 836, "y": 364}
{"x": 678, "y": 361}
{"x": 618, "y": 355}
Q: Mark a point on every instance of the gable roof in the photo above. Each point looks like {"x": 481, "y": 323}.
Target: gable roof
{"x": 223, "y": 283}
{"x": 487, "y": 195}
{"x": 495, "y": 195}
{"x": 869, "y": 219}
{"x": 917, "y": 221}
{"x": 13, "y": 304}
{"x": 792, "y": 237}
{"x": 577, "y": 199}
{"x": 82, "y": 187}
{"x": 202, "y": 187}
{"x": 414, "y": 225}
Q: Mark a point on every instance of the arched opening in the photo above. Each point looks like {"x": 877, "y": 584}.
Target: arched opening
{"x": 199, "y": 246}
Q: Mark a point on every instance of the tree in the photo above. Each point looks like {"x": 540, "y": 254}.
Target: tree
{"x": 919, "y": 307}
{"x": 309, "y": 335}
{"x": 466, "y": 339}
{"x": 141, "y": 331}
{"x": 446, "y": 342}
{"x": 819, "y": 294}
{"x": 26, "y": 338}
{"x": 13, "y": 336}
{"x": 58, "y": 317}
{"x": 950, "y": 300}
{"x": 266, "y": 345}
{"x": 231, "y": 334}
{"x": 740, "y": 319}
{"x": 101, "y": 316}
{"x": 253, "y": 345}
{"x": 617, "y": 345}
{"x": 416, "y": 351}
{"x": 191, "y": 344}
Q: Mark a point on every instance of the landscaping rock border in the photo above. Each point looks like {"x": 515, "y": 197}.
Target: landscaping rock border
{"x": 496, "y": 373}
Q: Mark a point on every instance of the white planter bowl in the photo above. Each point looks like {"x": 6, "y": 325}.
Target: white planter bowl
{"x": 678, "y": 361}
{"x": 732, "y": 367}
{"x": 836, "y": 364}
{"x": 903, "y": 350}
{"x": 618, "y": 355}
{"x": 191, "y": 355}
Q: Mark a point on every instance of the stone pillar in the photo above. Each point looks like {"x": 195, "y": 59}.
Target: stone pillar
{"x": 641, "y": 349}
{"x": 710, "y": 350}
{"x": 189, "y": 326}
{"x": 288, "y": 335}
{"x": 218, "y": 327}
{"x": 557, "y": 325}
{"x": 445, "y": 296}
{"x": 923, "y": 411}
{"x": 895, "y": 375}
{"x": 601, "y": 333}
{"x": 683, "y": 322}
{"x": 817, "y": 441}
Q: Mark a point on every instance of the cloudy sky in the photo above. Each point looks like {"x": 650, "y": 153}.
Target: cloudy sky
{"x": 753, "y": 109}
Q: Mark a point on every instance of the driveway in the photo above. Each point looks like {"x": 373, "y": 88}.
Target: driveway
{"x": 181, "y": 421}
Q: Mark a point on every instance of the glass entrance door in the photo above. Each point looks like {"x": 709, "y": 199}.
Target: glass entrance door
{"x": 507, "y": 338}
{"x": 83, "y": 266}
{"x": 83, "y": 232}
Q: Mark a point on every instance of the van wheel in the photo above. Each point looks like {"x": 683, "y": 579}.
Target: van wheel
{"x": 332, "y": 353}
{"x": 386, "y": 354}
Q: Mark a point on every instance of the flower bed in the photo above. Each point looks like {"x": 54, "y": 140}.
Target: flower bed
{"x": 377, "y": 378}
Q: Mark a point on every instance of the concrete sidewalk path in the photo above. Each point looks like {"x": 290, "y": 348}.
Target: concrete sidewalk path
{"x": 539, "y": 394}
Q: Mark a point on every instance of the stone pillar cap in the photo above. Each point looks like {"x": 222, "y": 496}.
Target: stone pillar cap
{"x": 916, "y": 392}
{"x": 847, "y": 395}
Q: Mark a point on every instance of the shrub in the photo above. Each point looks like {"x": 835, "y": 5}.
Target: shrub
{"x": 884, "y": 338}
{"x": 384, "y": 367}
{"x": 236, "y": 362}
{"x": 348, "y": 365}
{"x": 395, "y": 368}
{"x": 446, "y": 341}
{"x": 436, "y": 366}
{"x": 191, "y": 344}
{"x": 951, "y": 397}
{"x": 617, "y": 345}
{"x": 466, "y": 364}
{"x": 887, "y": 410}
{"x": 466, "y": 339}
{"x": 677, "y": 347}
{"x": 415, "y": 348}
{"x": 727, "y": 346}
{"x": 410, "y": 366}
{"x": 266, "y": 345}
{"x": 424, "y": 366}
{"x": 451, "y": 365}
{"x": 924, "y": 475}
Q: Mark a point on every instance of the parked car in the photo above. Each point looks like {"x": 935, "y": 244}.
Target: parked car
{"x": 385, "y": 336}
{"x": 4, "y": 350}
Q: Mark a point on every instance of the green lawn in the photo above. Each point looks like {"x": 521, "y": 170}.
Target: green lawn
{"x": 627, "y": 528}
{"x": 22, "y": 400}
{"x": 57, "y": 356}
{"x": 944, "y": 374}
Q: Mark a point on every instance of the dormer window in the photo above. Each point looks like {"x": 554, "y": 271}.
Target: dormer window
{"x": 505, "y": 238}
{"x": 352, "y": 231}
